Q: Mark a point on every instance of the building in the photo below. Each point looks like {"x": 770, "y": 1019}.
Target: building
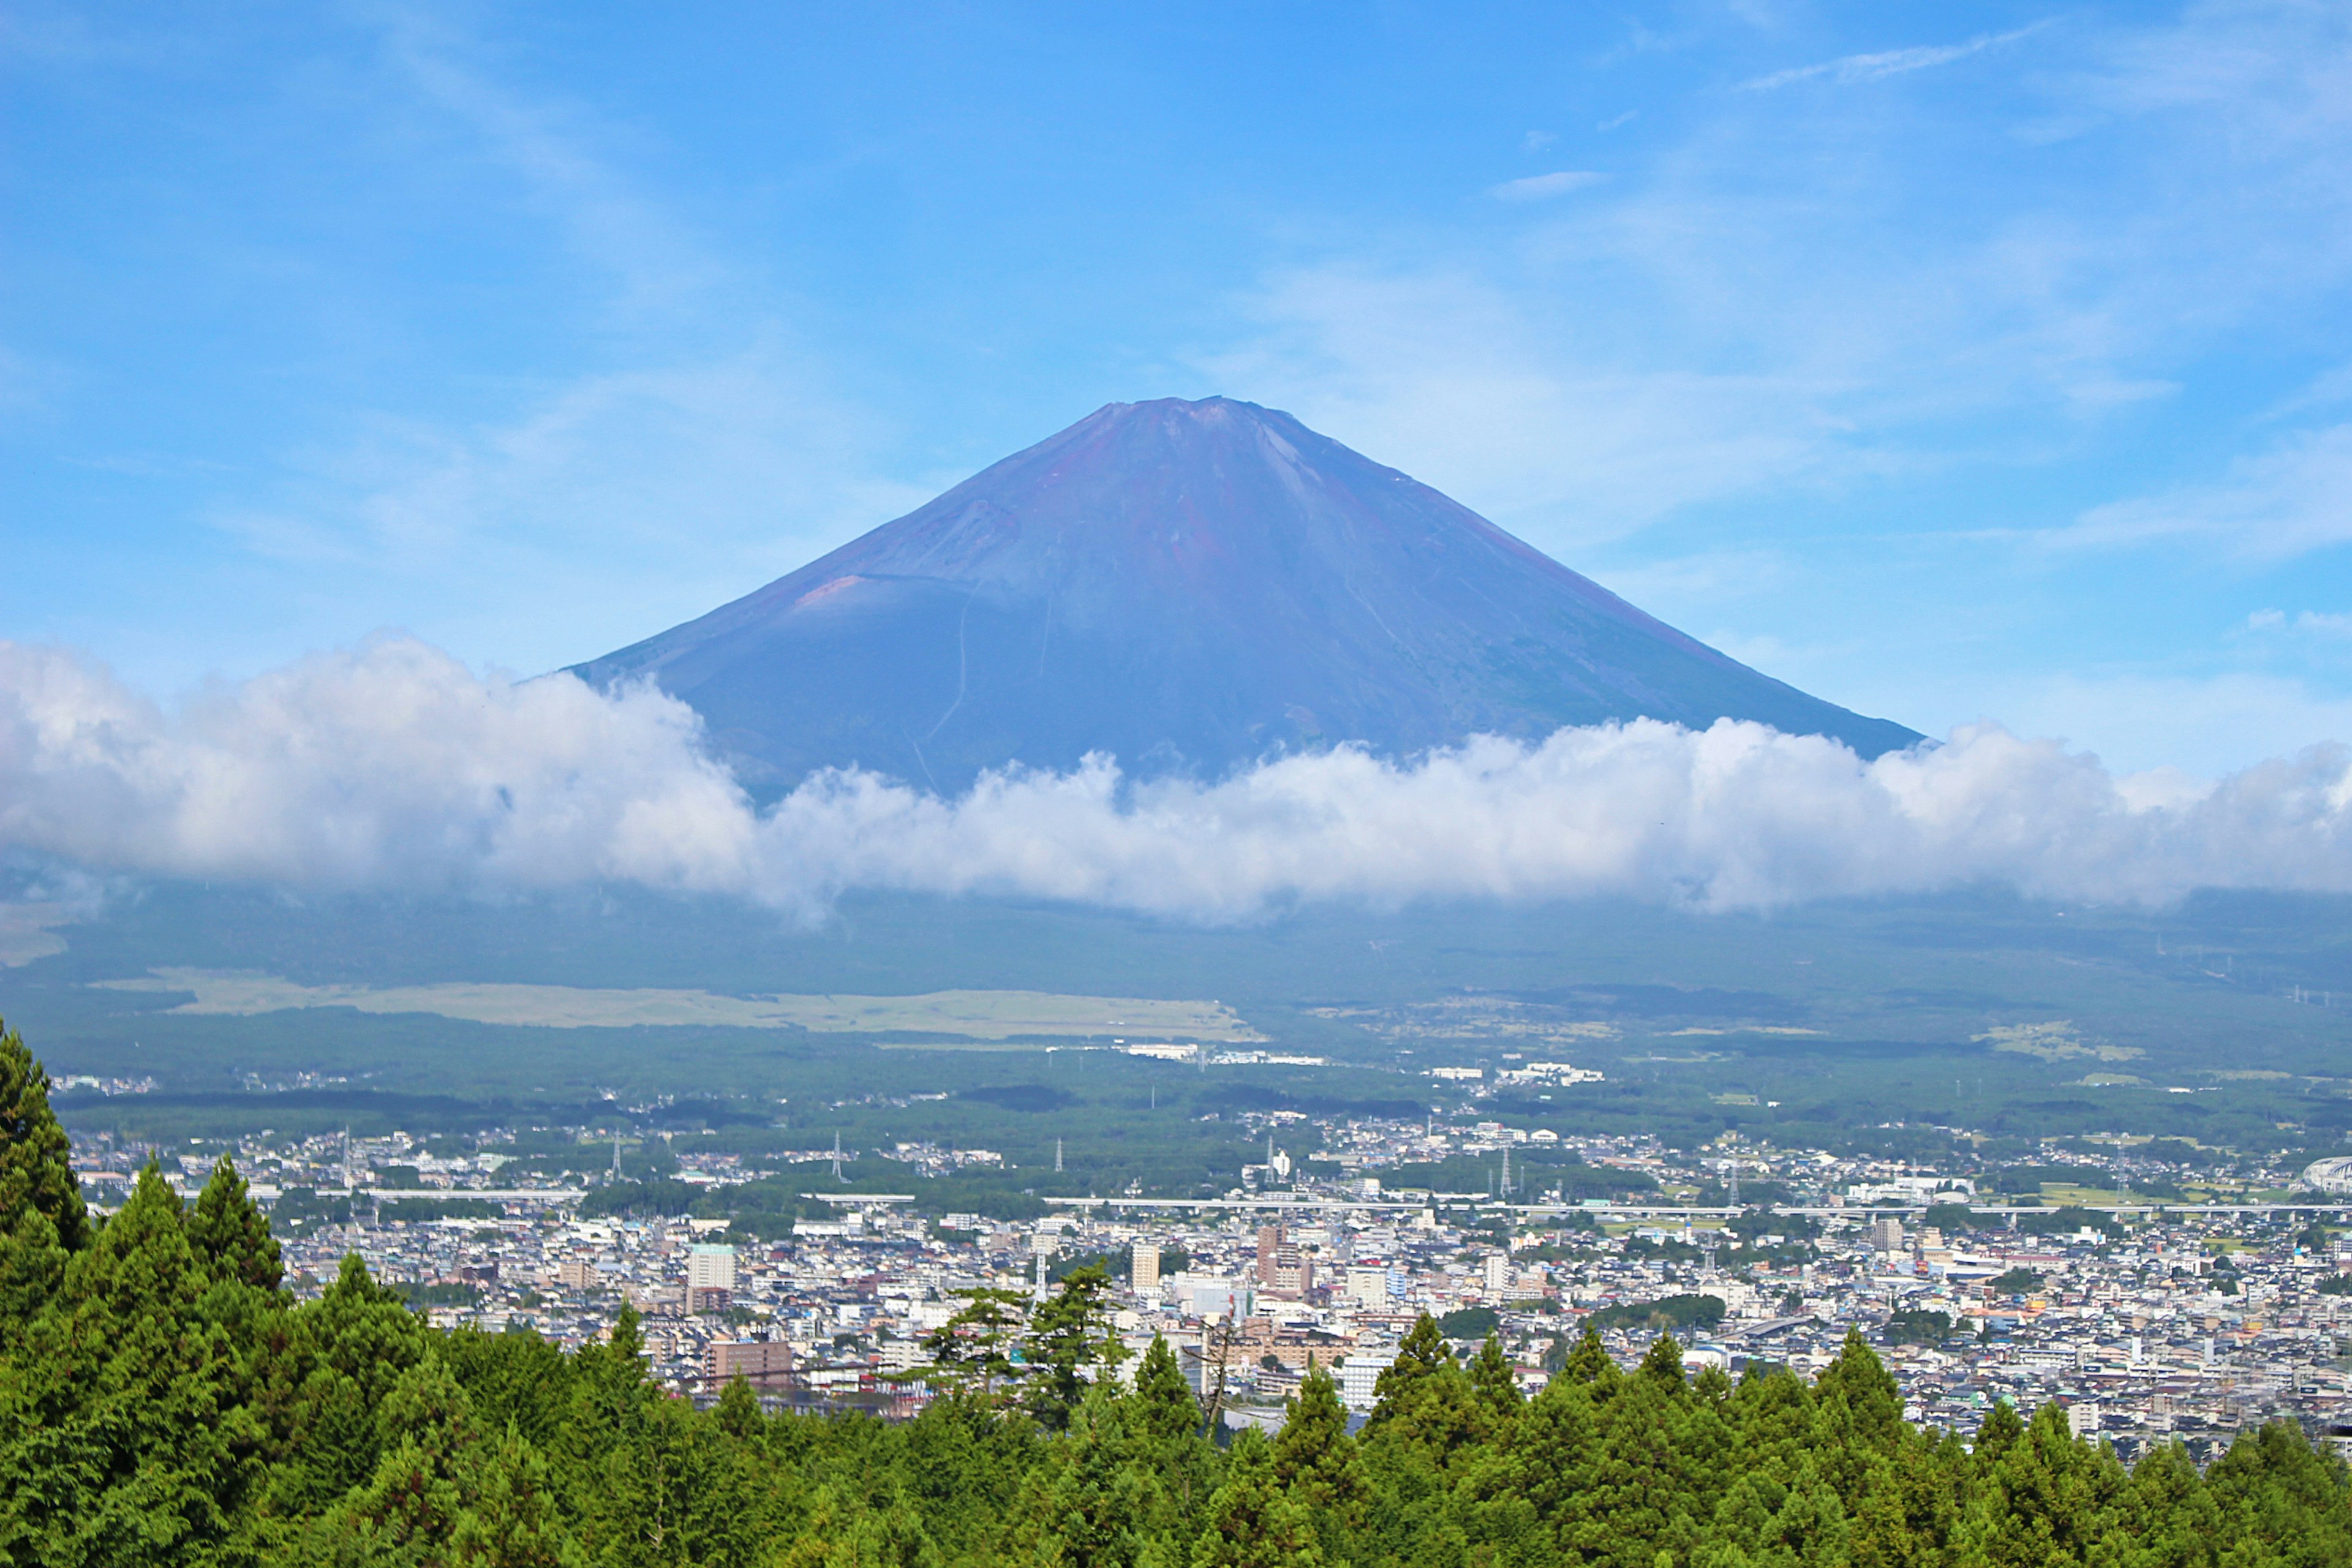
{"x": 709, "y": 1277}
{"x": 1214, "y": 1298}
{"x": 1498, "y": 1274}
{"x": 765, "y": 1364}
{"x": 1368, "y": 1284}
{"x": 1360, "y": 1375}
{"x": 1886, "y": 1235}
{"x": 2332, "y": 1175}
{"x": 1144, "y": 1269}
{"x": 1282, "y": 1264}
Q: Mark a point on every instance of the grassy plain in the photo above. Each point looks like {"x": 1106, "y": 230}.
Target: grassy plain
{"x": 972, "y": 1015}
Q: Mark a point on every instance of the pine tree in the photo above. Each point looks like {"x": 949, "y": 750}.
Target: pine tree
{"x": 2165, "y": 1517}
{"x": 230, "y": 1233}
{"x": 42, "y": 1221}
{"x": 1068, "y": 1334}
{"x": 1497, "y": 1387}
{"x": 738, "y": 1411}
{"x": 36, "y": 1157}
{"x": 1420, "y": 1357}
{"x": 1640, "y": 1491}
{"x": 1099, "y": 1501}
{"x": 139, "y": 1398}
{"x": 2001, "y": 1429}
{"x": 1557, "y": 1446}
{"x": 1665, "y": 1362}
{"x": 1315, "y": 1457}
{"x": 346, "y": 1350}
{"x": 1859, "y": 1413}
{"x": 1589, "y": 1363}
{"x": 1165, "y": 1408}
{"x": 2045, "y": 1501}
{"x": 1253, "y": 1521}
{"x": 2284, "y": 1501}
{"x": 973, "y": 1351}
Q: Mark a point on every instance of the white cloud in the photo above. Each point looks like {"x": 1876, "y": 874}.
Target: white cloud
{"x": 2286, "y": 501}
{"x": 1541, "y": 187}
{"x": 1786, "y": 298}
{"x": 2312, "y": 623}
{"x": 1890, "y": 62}
{"x": 393, "y": 765}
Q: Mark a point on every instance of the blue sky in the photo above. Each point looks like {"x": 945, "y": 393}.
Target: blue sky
{"x": 1947, "y": 361}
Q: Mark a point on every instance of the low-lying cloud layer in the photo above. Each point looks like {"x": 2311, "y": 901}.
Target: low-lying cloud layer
{"x": 395, "y": 766}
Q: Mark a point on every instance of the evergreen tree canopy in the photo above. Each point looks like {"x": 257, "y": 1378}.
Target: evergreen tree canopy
{"x": 163, "y": 1401}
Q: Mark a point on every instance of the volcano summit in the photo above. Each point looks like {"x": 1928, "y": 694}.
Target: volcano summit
{"x": 1190, "y": 586}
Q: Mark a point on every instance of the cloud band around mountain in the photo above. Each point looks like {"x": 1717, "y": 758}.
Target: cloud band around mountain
{"x": 393, "y": 766}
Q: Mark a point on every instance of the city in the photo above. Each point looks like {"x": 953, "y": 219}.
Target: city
{"x": 2147, "y": 1320}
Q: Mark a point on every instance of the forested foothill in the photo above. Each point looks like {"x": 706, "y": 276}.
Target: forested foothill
{"x": 1867, "y": 1027}
{"x": 164, "y": 1400}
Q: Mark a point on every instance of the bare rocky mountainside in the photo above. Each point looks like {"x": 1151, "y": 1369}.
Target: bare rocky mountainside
{"x": 1191, "y": 587}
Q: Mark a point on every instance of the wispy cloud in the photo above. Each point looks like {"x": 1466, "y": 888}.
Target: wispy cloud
{"x": 2289, "y": 500}
{"x": 693, "y": 447}
{"x": 1472, "y": 387}
{"x": 2311, "y": 623}
{"x": 1539, "y": 187}
{"x": 657, "y": 263}
{"x": 1889, "y": 62}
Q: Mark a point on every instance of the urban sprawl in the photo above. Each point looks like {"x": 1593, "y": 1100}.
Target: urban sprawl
{"x": 2192, "y": 1318}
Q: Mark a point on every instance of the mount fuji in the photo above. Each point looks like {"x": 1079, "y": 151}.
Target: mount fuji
{"x": 1191, "y": 587}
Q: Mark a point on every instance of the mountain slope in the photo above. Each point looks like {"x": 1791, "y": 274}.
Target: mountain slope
{"x": 1189, "y": 586}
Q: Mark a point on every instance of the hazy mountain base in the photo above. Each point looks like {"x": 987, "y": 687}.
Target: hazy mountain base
{"x": 1981, "y": 1013}
{"x": 163, "y": 1401}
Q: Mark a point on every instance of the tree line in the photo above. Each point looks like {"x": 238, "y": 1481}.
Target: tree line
{"x": 164, "y": 1400}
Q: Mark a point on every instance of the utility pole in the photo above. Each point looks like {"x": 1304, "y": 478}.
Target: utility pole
{"x": 836, "y": 1155}
{"x": 1058, "y": 1156}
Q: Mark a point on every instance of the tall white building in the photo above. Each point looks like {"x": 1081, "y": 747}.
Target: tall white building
{"x": 1146, "y": 1270}
{"x": 709, "y": 1277}
{"x": 1360, "y": 1374}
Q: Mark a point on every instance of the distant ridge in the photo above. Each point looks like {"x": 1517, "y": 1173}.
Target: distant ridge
{"x": 1190, "y": 586}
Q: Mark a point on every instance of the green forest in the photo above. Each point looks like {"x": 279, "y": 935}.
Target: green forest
{"x": 165, "y": 1399}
